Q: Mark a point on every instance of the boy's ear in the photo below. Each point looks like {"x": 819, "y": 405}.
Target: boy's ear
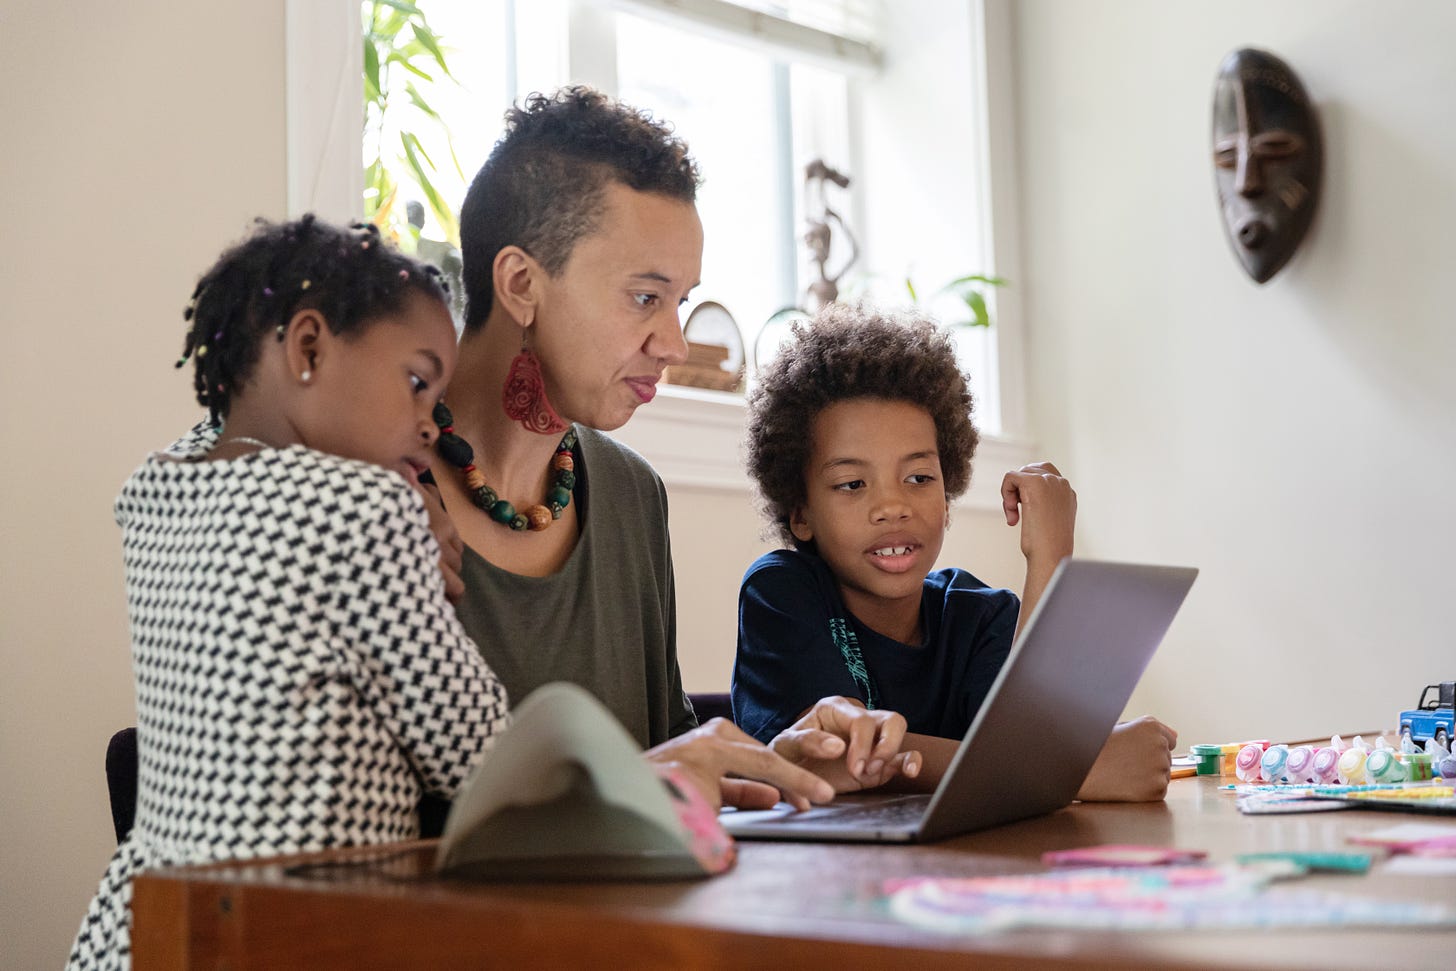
{"x": 514, "y": 274}
{"x": 799, "y": 526}
{"x": 303, "y": 338}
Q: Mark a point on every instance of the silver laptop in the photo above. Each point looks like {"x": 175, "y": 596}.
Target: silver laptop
{"x": 1067, "y": 678}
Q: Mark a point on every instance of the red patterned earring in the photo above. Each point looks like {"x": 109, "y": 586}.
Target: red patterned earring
{"x": 524, "y": 397}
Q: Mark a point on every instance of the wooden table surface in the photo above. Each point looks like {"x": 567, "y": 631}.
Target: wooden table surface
{"x": 784, "y": 905}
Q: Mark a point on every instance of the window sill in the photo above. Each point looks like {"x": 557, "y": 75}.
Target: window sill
{"x": 694, "y": 439}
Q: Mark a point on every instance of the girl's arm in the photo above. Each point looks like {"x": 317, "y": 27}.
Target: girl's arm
{"x": 419, "y": 671}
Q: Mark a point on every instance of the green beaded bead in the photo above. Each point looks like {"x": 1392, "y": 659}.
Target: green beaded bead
{"x": 485, "y": 497}
{"x": 566, "y": 479}
{"x": 555, "y": 511}
{"x": 503, "y": 512}
{"x": 519, "y": 522}
{"x": 559, "y": 496}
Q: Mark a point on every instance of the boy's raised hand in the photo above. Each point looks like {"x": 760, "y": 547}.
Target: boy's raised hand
{"x": 1134, "y": 764}
{"x": 1037, "y": 497}
{"x": 848, "y": 746}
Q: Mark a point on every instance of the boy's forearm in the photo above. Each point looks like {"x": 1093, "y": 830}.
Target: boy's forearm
{"x": 1039, "y": 572}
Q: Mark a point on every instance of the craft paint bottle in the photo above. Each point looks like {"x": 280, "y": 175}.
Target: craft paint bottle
{"x": 1352, "y": 767}
{"x": 1383, "y": 768}
{"x": 1247, "y": 765}
{"x": 1325, "y": 767}
{"x": 1300, "y": 766}
{"x": 1272, "y": 766}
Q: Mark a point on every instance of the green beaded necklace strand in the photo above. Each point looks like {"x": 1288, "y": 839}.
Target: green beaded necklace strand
{"x": 457, "y": 452}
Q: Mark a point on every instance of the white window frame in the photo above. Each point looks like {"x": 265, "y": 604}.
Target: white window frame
{"x": 693, "y": 438}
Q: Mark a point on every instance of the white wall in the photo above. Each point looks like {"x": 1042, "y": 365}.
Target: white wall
{"x": 1295, "y": 440}
{"x": 140, "y": 138}
{"x": 1292, "y": 440}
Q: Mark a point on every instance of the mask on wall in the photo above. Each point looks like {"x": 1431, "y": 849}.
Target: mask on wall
{"x": 1267, "y": 157}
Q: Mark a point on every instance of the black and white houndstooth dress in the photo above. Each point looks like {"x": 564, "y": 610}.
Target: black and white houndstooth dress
{"x": 300, "y": 676}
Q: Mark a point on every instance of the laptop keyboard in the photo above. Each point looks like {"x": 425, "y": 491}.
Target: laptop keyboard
{"x": 895, "y": 812}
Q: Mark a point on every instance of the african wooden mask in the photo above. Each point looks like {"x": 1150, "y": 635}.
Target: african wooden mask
{"x": 1267, "y": 159}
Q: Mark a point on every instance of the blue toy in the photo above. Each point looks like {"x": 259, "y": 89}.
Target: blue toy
{"x": 1432, "y": 718}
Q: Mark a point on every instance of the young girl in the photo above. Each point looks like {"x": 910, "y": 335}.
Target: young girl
{"x": 301, "y": 678}
{"x": 853, "y": 609}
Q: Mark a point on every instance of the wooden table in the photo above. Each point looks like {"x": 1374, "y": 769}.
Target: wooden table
{"x": 785, "y": 905}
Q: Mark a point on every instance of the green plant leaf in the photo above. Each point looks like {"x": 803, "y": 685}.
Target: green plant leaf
{"x": 418, "y": 100}
{"x": 404, "y": 6}
{"x": 408, "y": 66}
{"x": 371, "y": 72}
{"x": 411, "y": 143}
{"x": 431, "y": 43}
{"x": 990, "y": 281}
{"x": 910, "y": 287}
{"x": 977, "y": 303}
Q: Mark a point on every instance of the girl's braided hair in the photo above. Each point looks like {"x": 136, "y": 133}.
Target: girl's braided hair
{"x": 350, "y": 276}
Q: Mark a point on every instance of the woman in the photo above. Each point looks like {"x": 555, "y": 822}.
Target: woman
{"x": 581, "y": 241}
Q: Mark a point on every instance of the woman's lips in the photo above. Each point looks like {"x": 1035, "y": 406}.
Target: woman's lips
{"x": 644, "y": 388}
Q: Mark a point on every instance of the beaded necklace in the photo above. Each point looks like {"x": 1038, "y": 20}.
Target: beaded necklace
{"x": 457, "y": 452}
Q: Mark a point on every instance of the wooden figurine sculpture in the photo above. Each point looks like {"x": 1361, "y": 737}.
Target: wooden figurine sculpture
{"x": 818, "y": 235}
{"x": 1268, "y": 159}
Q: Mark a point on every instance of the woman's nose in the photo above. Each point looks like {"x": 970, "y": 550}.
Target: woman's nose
{"x": 666, "y": 342}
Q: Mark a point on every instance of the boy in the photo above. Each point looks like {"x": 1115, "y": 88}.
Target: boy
{"x": 864, "y": 498}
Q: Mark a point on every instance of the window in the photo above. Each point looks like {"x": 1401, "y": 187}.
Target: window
{"x": 758, "y": 89}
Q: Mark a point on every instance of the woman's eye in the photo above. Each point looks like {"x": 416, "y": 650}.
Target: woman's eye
{"x": 852, "y": 486}
{"x": 645, "y": 299}
{"x": 417, "y": 383}
{"x": 921, "y": 478}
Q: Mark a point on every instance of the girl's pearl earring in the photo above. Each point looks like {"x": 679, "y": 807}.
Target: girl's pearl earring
{"x": 306, "y": 376}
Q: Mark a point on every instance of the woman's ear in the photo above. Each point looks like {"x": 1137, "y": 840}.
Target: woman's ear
{"x": 303, "y": 338}
{"x": 799, "y": 526}
{"x": 515, "y": 274}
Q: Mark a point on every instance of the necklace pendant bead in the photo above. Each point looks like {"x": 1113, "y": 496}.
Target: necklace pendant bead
{"x": 485, "y": 497}
{"x": 475, "y": 480}
{"x": 538, "y": 518}
{"x": 518, "y": 522}
{"x": 563, "y": 462}
{"x": 559, "y": 496}
{"x": 503, "y": 512}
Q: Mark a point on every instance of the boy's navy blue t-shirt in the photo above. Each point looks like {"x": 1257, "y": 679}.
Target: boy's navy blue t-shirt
{"x": 798, "y": 643}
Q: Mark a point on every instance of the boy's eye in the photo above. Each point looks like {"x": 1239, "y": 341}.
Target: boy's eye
{"x": 417, "y": 383}
{"x": 921, "y": 478}
{"x": 854, "y": 485}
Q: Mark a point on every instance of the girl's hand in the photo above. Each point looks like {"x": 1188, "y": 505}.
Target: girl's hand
{"x": 848, "y": 746}
{"x": 1134, "y": 764}
{"x": 1037, "y": 497}
{"x": 712, "y": 752}
{"x": 452, "y": 547}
